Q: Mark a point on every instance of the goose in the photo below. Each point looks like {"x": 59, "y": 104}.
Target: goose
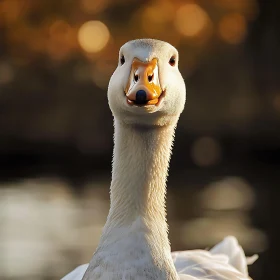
{"x": 146, "y": 95}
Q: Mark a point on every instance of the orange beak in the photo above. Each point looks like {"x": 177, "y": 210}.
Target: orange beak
{"x": 143, "y": 87}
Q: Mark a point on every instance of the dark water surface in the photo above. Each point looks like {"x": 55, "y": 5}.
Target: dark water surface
{"x": 51, "y": 222}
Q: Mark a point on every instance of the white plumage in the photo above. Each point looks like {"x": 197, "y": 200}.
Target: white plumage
{"x": 134, "y": 243}
{"x": 225, "y": 261}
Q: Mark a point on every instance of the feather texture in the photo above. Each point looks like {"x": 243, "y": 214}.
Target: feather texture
{"x": 225, "y": 261}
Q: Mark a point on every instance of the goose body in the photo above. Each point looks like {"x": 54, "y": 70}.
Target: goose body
{"x": 146, "y": 95}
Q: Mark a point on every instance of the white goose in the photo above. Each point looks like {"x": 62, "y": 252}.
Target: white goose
{"x": 147, "y": 95}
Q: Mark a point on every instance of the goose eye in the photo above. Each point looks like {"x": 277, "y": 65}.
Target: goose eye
{"x": 122, "y": 60}
{"x": 172, "y": 61}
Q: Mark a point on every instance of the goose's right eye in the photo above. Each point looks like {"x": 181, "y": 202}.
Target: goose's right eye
{"x": 172, "y": 61}
{"x": 122, "y": 60}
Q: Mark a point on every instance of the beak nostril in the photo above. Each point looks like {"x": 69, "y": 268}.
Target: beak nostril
{"x": 136, "y": 77}
{"x": 141, "y": 97}
{"x": 151, "y": 77}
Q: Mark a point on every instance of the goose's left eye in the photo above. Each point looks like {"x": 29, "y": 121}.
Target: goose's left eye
{"x": 172, "y": 61}
{"x": 122, "y": 60}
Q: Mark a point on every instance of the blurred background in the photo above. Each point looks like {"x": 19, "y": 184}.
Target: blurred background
{"x": 56, "y": 58}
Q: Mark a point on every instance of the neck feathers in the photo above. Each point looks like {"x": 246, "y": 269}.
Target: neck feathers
{"x": 136, "y": 230}
{"x": 140, "y": 167}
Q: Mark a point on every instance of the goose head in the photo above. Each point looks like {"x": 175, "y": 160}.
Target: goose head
{"x": 147, "y": 87}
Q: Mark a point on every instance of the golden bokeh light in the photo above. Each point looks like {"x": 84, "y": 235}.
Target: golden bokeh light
{"x": 156, "y": 18}
{"x": 233, "y": 28}
{"x": 228, "y": 194}
{"x": 191, "y": 20}
{"x": 93, "y": 6}
{"x": 10, "y": 11}
{"x": 249, "y": 8}
{"x": 159, "y": 13}
{"x": 93, "y": 36}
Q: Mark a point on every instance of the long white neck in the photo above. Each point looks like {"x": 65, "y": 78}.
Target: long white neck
{"x": 137, "y": 216}
{"x": 140, "y": 167}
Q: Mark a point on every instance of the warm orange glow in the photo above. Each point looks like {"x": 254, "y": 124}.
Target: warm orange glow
{"x": 236, "y": 4}
{"x": 93, "y": 36}
{"x": 191, "y": 20}
{"x": 233, "y": 28}
{"x": 93, "y": 6}
{"x": 249, "y": 8}
{"x": 159, "y": 13}
{"x": 155, "y": 18}
{"x": 61, "y": 40}
{"x": 10, "y": 11}
{"x": 150, "y": 24}
{"x": 59, "y": 28}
